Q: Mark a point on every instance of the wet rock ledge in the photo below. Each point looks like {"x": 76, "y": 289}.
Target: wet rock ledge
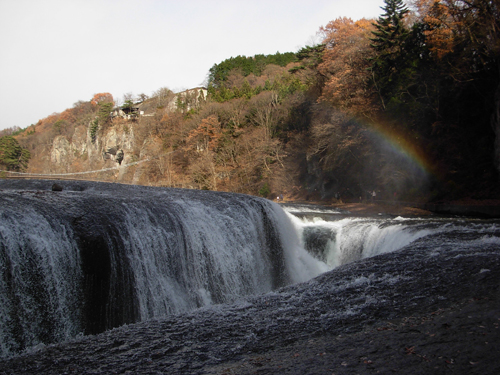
{"x": 420, "y": 310}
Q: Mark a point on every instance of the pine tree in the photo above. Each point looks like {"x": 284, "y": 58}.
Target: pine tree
{"x": 389, "y": 44}
{"x": 390, "y": 28}
{"x": 12, "y": 156}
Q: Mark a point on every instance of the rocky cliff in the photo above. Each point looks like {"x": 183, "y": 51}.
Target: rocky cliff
{"x": 107, "y": 156}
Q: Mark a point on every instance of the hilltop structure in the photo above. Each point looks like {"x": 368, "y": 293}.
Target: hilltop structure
{"x": 185, "y": 100}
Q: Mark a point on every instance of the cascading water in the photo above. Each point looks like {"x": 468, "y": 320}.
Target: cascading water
{"x": 39, "y": 264}
{"x": 343, "y": 240}
{"x": 96, "y": 256}
{"x": 350, "y": 239}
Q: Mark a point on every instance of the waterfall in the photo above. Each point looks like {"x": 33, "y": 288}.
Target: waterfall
{"x": 348, "y": 239}
{"x": 95, "y": 256}
{"x": 40, "y": 297}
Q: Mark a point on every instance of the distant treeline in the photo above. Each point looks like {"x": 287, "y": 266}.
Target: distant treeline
{"x": 256, "y": 65}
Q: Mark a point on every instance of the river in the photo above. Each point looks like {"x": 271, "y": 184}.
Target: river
{"x": 102, "y": 277}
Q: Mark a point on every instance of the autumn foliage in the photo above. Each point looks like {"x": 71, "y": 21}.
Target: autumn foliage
{"x": 206, "y": 136}
{"x": 309, "y": 124}
{"x": 345, "y": 65}
{"x": 103, "y": 97}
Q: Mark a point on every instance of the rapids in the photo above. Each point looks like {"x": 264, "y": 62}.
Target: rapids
{"x": 344, "y": 239}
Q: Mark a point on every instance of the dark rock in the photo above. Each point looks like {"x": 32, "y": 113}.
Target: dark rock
{"x": 57, "y": 187}
{"x": 119, "y": 157}
{"x": 111, "y": 151}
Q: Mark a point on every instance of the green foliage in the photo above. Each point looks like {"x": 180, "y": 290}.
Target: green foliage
{"x": 12, "y": 156}
{"x": 102, "y": 119}
{"x": 265, "y": 191}
{"x": 309, "y": 57}
{"x": 219, "y": 73}
{"x": 390, "y": 66}
{"x": 127, "y": 105}
{"x": 17, "y": 132}
{"x": 59, "y": 126}
{"x": 285, "y": 85}
{"x": 221, "y": 94}
{"x": 104, "y": 112}
{"x": 390, "y": 28}
{"x": 94, "y": 125}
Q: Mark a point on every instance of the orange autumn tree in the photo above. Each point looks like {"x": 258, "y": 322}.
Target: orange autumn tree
{"x": 204, "y": 140}
{"x": 103, "y": 97}
{"x": 206, "y": 136}
{"x": 471, "y": 26}
{"x": 440, "y": 26}
{"x": 345, "y": 65}
{"x": 477, "y": 29}
{"x": 440, "y": 33}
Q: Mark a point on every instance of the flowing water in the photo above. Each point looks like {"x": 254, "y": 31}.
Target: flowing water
{"x": 97, "y": 256}
{"x": 341, "y": 240}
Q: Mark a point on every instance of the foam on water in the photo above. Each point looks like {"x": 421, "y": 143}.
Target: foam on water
{"x": 349, "y": 239}
{"x": 138, "y": 253}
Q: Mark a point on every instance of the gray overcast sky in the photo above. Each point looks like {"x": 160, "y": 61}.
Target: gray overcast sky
{"x": 56, "y": 52}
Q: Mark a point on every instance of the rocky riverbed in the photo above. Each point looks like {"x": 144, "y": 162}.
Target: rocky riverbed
{"x": 423, "y": 309}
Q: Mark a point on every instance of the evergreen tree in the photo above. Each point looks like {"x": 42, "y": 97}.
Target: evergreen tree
{"x": 219, "y": 73}
{"x": 392, "y": 59}
{"x": 309, "y": 57}
{"x": 12, "y": 156}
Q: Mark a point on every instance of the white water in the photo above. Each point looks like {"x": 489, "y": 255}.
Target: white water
{"x": 175, "y": 252}
{"x": 170, "y": 251}
{"x": 39, "y": 273}
{"x": 301, "y": 264}
{"x": 349, "y": 239}
{"x": 219, "y": 259}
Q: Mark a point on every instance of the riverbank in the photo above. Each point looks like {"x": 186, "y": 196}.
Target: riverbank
{"x": 482, "y": 209}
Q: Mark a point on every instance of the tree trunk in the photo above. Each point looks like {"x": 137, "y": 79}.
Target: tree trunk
{"x": 495, "y": 123}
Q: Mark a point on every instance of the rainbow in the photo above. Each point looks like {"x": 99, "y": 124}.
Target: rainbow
{"x": 403, "y": 146}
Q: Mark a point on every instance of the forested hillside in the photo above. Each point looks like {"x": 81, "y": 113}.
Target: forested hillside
{"x": 407, "y": 105}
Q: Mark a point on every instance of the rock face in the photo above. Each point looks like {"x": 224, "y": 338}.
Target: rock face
{"x": 61, "y": 151}
{"x": 79, "y": 140}
{"x": 113, "y": 147}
